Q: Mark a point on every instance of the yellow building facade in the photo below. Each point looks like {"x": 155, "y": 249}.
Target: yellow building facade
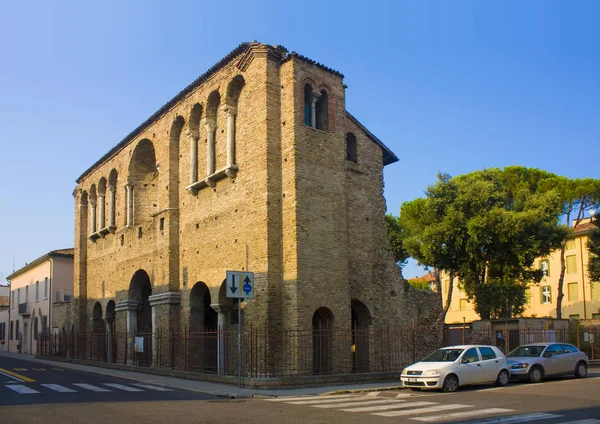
{"x": 581, "y": 295}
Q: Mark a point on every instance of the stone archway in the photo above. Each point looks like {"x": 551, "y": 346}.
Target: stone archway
{"x": 98, "y": 337}
{"x": 203, "y": 334}
{"x": 109, "y": 320}
{"x": 140, "y": 290}
{"x": 361, "y": 325}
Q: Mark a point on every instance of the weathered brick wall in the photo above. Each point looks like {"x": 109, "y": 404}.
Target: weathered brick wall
{"x": 305, "y": 220}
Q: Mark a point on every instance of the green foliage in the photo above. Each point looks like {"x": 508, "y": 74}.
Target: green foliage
{"x": 395, "y": 233}
{"x": 594, "y": 249}
{"x": 419, "y": 283}
{"x": 487, "y": 228}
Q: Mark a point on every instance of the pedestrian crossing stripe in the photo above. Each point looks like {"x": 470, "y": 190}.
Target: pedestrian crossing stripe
{"x": 462, "y": 414}
{"x": 523, "y": 418}
{"x": 20, "y": 369}
{"x": 427, "y": 409}
{"x": 22, "y": 389}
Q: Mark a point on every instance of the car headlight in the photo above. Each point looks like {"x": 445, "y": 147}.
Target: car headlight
{"x": 519, "y": 366}
{"x": 404, "y": 372}
{"x": 431, "y": 372}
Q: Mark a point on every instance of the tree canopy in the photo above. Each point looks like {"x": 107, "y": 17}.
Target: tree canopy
{"x": 487, "y": 228}
{"x": 594, "y": 250}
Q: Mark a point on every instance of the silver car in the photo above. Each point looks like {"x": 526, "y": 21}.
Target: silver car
{"x": 536, "y": 361}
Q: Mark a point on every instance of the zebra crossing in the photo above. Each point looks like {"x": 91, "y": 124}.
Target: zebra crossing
{"x": 419, "y": 408}
{"x": 32, "y": 389}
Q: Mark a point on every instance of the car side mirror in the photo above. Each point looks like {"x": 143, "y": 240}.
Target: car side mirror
{"x": 547, "y": 355}
{"x": 464, "y": 361}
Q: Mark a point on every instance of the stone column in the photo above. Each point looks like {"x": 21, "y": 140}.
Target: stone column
{"x": 222, "y": 319}
{"x": 129, "y": 199}
{"x": 92, "y": 216}
{"x": 101, "y": 206}
{"x": 193, "y": 157}
{"x": 313, "y": 108}
{"x": 210, "y": 126}
{"x": 111, "y": 206}
{"x": 130, "y": 306}
{"x": 162, "y": 305}
{"x": 230, "y": 111}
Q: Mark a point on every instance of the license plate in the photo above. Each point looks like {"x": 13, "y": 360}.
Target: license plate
{"x": 412, "y": 380}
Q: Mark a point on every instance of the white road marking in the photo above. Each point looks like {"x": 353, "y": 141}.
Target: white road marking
{"x": 403, "y": 395}
{"x": 286, "y": 399}
{"x": 90, "y": 387}
{"x": 489, "y": 390}
{"x": 13, "y": 377}
{"x": 423, "y": 410}
{"x": 359, "y": 403}
{"x": 157, "y": 388}
{"x": 324, "y": 400}
{"x": 22, "y": 390}
{"x": 59, "y": 388}
{"x": 388, "y": 407}
{"x": 122, "y": 387}
{"x": 519, "y": 418}
{"x": 373, "y": 393}
{"x": 462, "y": 414}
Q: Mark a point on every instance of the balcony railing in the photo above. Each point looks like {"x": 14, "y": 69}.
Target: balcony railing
{"x": 24, "y": 309}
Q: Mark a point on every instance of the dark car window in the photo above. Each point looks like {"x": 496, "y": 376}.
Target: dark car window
{"x": 470, "y": 356}
{"x": 554, "y": 350}
{"x": 487, "y": 353}
{"x": 443, "y": 355}
{"x": 532, "y": 351}
{"x": 569, "y": 349}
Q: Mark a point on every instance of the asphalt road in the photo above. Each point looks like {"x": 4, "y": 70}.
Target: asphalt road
{"x": 66, "y": 397}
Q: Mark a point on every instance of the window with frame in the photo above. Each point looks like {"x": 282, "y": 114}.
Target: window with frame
{"x": 46, "y": 288}
{"x": 470, "y": 356}
{"x": 12, "y": 303}
{"x": 545, "y": 267}
{"x": 595, "y": 291}
{"x": 596, "y": 316}
{"x": 574, "y": 317}
{"x": 463, "y": 305}
{"x": 12, "y": 327}
{"x": 17, "y": 335}
{"x": 26, "y": 294}
{"x": 571, "y": 264}
{"x": 546, "y": 294}
{"x": 351, "y": 148}
{"x": 45, "y": 329}
{"x": 573, "y": 289}
{"x": 487, "y": 353}
{"x": 37, "y": 291}
{"x": 18, "y": 296}
{"x": 35, "y": 328}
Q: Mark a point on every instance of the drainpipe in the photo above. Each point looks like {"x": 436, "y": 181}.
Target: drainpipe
{"x": 50, "y": 296}
{"x": 8, "y": 323}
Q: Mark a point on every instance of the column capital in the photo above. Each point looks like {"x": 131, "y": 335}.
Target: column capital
{"x": 169, "y": 298}
{"x": 229, "y": 110}
{"x": 192, "y": 135}
{"x": 110, "y": 188}
{"x": 209, "y": 123}
{"x": 220, "y": 309}
{"x": 92, "y": 202}
{"x": 315, "y": 95}
{"x": 127, "y": 305}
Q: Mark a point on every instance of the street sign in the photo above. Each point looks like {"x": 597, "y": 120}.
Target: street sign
{"x": 240, "y": 285}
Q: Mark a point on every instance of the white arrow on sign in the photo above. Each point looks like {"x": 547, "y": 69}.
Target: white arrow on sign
{"x": 240, "y": 285}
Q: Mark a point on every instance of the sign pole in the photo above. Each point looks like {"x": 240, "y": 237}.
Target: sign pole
{"x": 240, "y": 341}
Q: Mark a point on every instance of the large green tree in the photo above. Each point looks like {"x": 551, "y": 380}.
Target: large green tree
{"x": 486, "y": 228}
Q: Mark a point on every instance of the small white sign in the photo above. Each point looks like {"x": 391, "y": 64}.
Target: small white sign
{"x": 240, "y": 285}
{"x": 586, "y": 337}
{"x": 139, "y": 344}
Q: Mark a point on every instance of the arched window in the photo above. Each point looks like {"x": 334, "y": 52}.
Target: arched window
{"x": 308, "y": 96}
{"x": 351, "y": 148}
{"x": 322, "y": 324}
{"x": 322, "y": 112}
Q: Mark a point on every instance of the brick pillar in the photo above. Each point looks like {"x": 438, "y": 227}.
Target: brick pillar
{"x": 165, "y": 314}
{"x": 129, "y": 307}
{"x": 222, "y": 320}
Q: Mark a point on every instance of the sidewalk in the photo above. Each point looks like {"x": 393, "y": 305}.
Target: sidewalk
{"x": 207, "y": 387}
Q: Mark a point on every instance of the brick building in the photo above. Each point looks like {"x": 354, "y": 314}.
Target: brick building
{"x": 255, "y": 166}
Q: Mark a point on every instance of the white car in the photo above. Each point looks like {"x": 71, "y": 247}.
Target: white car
{"x": 454, "y": 366}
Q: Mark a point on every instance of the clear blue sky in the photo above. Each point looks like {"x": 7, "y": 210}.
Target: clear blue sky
{"x": 449, "y": 86}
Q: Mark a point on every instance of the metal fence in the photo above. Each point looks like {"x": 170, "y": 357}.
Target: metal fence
{"x": 264, "y": 354}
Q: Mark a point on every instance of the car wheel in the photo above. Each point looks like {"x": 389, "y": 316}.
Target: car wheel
{"x": 536, "y": 375}
{"x": 581, "y": 370}
{"x": 503, "y": 377}
{"x": 450, "y": 384}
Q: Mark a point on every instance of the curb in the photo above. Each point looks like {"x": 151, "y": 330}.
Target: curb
{"x": 371, "y": 389}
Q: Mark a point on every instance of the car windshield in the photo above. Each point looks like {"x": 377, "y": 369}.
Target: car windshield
{"x": 531, "y": 351}
{"x": 444, "y": 355}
